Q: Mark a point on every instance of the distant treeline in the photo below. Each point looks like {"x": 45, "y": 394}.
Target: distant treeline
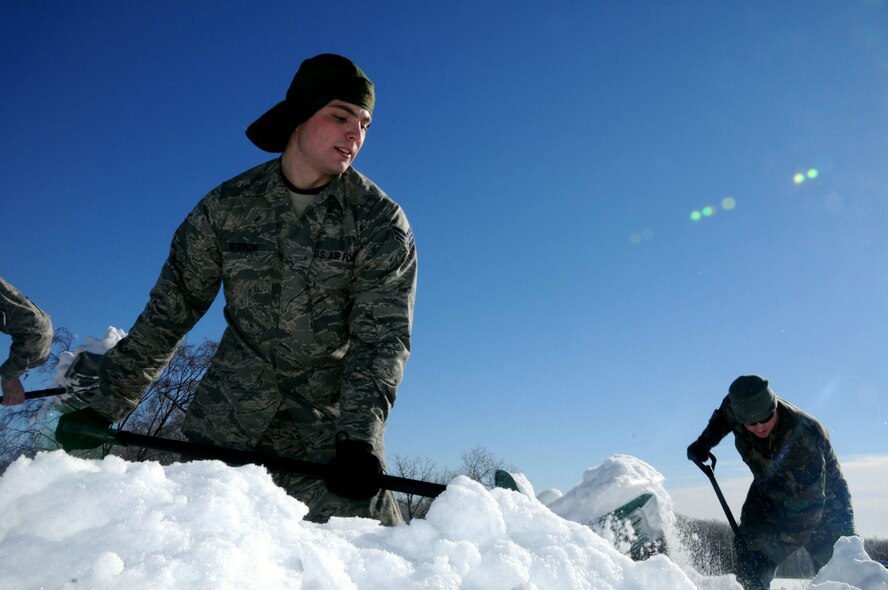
{"x": 710, "y": 544}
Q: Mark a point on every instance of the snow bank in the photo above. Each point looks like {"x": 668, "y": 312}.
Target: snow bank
{"x": 617, "y": 481}
{"x": 109, "y": 524}
{"x": 75, "y": 523}
{"x": 851, "y": 567}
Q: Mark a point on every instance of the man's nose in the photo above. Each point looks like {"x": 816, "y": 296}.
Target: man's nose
{"x": 354, "y": 131}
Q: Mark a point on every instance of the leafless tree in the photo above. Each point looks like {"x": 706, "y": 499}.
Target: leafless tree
{"x": 21, "y": 426}
{"x": 62, "y": 339}
{"x": 877, "y": 549}
{"x": 26, "y": 428}
{"x": 18, "y": 434}
{"x": 415, "y": 467}
{"x": 478, "y": 463}
{"x": 161, "y": 411}
{"x": 481, "y": 464}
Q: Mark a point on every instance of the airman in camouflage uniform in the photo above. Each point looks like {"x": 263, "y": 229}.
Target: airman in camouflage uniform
{"x": 31, "y": 331}
{"x": 319, "y": 275}
{"x": 798, "y": 497}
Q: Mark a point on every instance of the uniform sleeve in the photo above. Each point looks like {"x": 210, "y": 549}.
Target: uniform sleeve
{"x": 30, "y": 328}
{"x": 720, "y": 424}
{"x": 187, "y": 286}
{"x": 380, "y": 322}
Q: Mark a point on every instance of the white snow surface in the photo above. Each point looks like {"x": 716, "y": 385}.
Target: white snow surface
{"x": 73, "y": 523}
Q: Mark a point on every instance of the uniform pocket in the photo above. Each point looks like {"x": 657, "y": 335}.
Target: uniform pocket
{"x": 331, "y": 273}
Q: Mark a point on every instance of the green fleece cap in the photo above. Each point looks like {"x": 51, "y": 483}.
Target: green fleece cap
{"x": 319, "y": 80}
{"x": 752, "y": 399}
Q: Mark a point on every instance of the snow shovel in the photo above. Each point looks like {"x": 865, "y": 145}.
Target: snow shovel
{"x": 238, "y": 457}
{"x": 630, "y": 524}
{"x": 627, "y": 524}
{"x": 709, "y": 471}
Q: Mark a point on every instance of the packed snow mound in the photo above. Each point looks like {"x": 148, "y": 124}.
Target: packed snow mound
{"x": 109, "y": 524}
{"x": 114, "y": 524}
{"x": 620, "y": 479}
{"x": 851, "y": 567}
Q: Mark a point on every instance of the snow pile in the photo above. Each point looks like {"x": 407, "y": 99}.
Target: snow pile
{"x": 75, "y": 523}
{"x": 612, "y": 485}
{"x": 617, "y": 481}
{"x": 620, "y": 479}
{"x": 113, "y": 524}
{"x": 851, "y": 567}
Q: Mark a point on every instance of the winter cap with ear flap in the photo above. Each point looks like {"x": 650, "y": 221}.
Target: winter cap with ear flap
{"x": 752, "y": 399}
{"x": 320, "y": 79}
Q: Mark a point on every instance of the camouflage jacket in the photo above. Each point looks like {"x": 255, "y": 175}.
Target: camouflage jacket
{"x": 795, "y": 471}
{"x": 30, "y": 328}
{"x": 318, "y": 308}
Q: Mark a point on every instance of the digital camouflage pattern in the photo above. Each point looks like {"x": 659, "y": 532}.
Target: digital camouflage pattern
{"x": 315, "y": 442}
{"x": 319, "y": 309}
{"x": 798, "y": 497}
{"x": 30, "y": 328}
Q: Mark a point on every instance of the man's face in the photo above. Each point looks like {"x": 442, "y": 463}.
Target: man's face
{"x": 763, "y": 429}
{"x": 327, "y": 143}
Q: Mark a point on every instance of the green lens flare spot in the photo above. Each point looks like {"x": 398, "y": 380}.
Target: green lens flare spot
{"x": 812, "y": 173}
{"x": 798, "y": 178}
{"x": 708, "y": 211}
{"x": 728, "y": 203}
{"x": 696, "y": 216}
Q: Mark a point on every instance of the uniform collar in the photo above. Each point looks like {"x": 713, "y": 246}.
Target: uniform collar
{"x": 276, "y": 187}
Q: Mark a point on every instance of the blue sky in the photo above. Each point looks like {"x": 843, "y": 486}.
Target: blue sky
{"x": 549, "y": 158}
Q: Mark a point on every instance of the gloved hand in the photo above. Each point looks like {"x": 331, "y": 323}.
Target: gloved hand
{"x": 81, "y": 380}
{"x": 698, "y": 451}
{"x": 83, "y": 373}
{"x": 72, "y": 441}
{"x": 354, "y": 471}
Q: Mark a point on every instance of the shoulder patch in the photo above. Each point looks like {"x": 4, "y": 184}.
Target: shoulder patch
{"x": 405, "y": 238}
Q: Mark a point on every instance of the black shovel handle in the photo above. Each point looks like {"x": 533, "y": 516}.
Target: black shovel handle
{"x": 709, "y": 471}
{"x": 238, "y": 457}
{"x": 42, "y": 393}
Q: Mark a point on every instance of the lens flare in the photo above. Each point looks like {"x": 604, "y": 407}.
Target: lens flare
{"x": 727, "y": 203}
{"x": 801, "y": 177}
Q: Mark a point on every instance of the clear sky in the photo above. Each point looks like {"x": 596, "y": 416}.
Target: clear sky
{"x": 549, "y": 156}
